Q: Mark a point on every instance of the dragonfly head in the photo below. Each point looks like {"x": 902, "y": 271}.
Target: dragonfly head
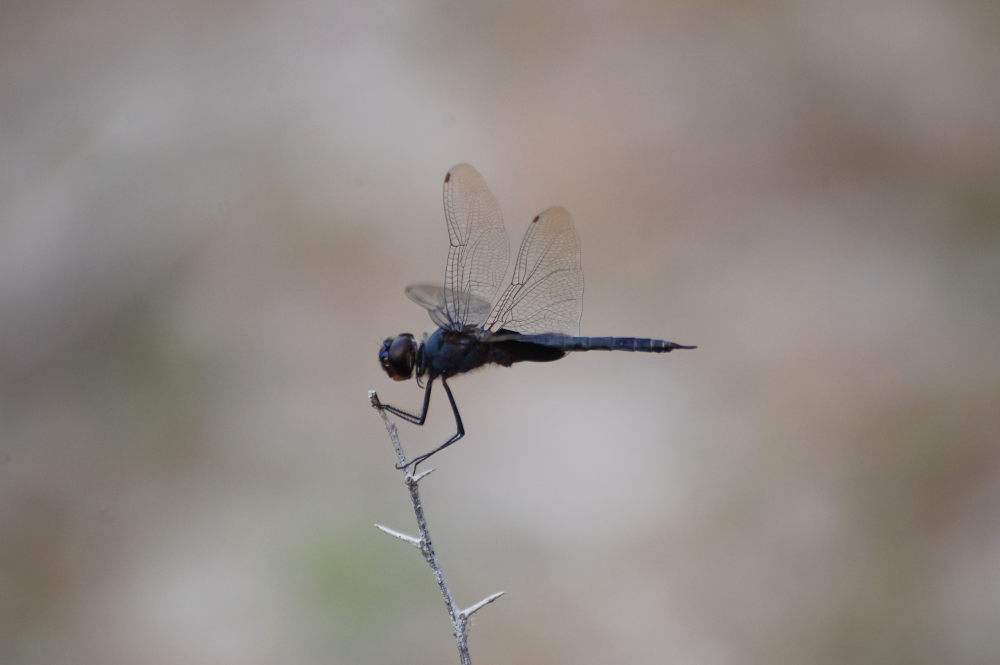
{"x": 398, "y": 356}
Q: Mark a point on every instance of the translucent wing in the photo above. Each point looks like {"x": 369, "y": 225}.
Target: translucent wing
{"x": 546, "y": 292}
{"x": 432, "y": 299}
{"x": 479, "y": 251}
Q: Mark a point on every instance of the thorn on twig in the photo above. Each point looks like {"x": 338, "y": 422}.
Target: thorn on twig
{"x": 406, "y": 538}
{"x": 475, "y": 607}
{"x": 411, "y": 479}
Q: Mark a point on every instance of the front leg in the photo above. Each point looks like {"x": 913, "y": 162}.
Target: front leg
{"x": 412, "y": 417}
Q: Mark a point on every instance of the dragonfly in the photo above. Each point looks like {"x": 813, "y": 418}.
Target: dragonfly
{"x": 536, "y": 318}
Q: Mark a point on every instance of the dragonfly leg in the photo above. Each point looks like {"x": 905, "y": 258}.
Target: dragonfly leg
{"x": 458, "y": 424}
{"x": 412, "y": 417}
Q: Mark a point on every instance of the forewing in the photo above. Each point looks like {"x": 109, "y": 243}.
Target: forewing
{"x": 546, "y": 292}
{"x": 479, "y": 251}
{"x": 431, "y": 298}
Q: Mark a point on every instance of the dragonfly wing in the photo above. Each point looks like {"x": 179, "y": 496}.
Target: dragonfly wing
{"x": 479, "y": 250}
{"x": 432, "y": 298}
{"x": 546, "y": 292}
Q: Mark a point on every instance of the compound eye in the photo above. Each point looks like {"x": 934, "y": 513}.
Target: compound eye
{"x": 401, "y": 350}
{"x": 397, "y": 356}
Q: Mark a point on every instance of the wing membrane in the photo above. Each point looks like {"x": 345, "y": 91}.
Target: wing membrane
{"x": 431, "y": 298}
{"x": 479, "y": 251}
{"x": 546, "y": 292}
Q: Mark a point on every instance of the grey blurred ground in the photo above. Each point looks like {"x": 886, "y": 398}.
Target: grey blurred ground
{"x": 207, "y": 215}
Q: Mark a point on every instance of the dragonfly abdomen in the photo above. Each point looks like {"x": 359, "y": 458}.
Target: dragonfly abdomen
{"x": 633, "y": 344}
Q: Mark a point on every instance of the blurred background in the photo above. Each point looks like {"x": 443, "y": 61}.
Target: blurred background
{"x": 208, "y": 213}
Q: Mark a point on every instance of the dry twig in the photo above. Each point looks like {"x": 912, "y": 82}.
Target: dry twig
{"x": 459, "y": 617}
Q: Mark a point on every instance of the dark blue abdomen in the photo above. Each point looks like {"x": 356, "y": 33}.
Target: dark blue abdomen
{"x": 635, "y": 344}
